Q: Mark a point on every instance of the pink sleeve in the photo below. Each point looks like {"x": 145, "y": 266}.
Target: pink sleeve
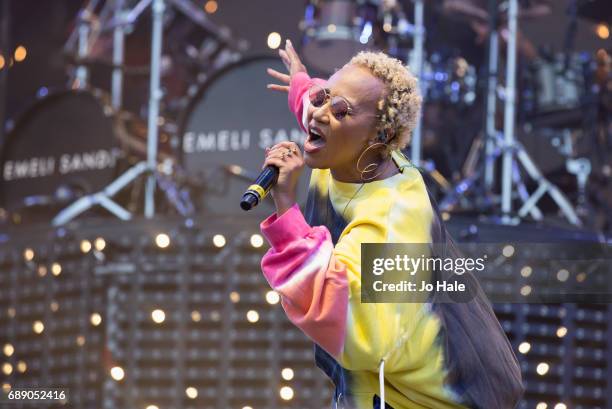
{"x": 301, "y": 267}
{"x": 298, "y": 101}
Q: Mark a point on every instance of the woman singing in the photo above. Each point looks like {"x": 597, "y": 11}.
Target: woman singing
{"x": 429, "y": 354}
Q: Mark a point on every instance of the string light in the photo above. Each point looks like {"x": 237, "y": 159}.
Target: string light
{"x": 508, "y": 251}
{"x": 542, "y": 368}
{"x": 7, "y": 369}
{"x": 8, "y": 349}
{"x": 272, "y": 297}
{"x": 158, "y": 316}
{"x": 287, "y": 374}
{"x": 54, "y": 306}
{"x": 274, "y": 40}
{"x": 22, "y": 367}
{"x": 196, "y": 316}
{"x": 191, "y": 392}
{"x": 28, "y": 254}
{"x": 42, "y": 271}
{"x": 541, "y": 405}
{"x": 526, "y": 271}
{"x": 252, "y": 316}
{"x": 219, "y": 240}
{"x": 20, "y": 53}
{"x": 256, "y": 240}
{"x": 561, "y": 332}
{"x": 56, "y": 269}
{"x": 85, "y": 246}
{"x": 80, "y": 340}
{"x": 563, "y": 275}
{"x": 99, "y": 244}
{"x": 162, "y": 240}
{"x": 560, "y": 405}
{"x": 211, "y": 6}
{"x": 234, "y": 297}
{"x": 286, "y": 393}
{"x": 117, "y": 373}
{"x": 524, "y": 347}
{"x": 152, "y": 407}
{"x": 95, "y": 319}
{"x": 2, "y": 61}
{"x": 603, "y": 32}
{"x": 6, "y": 387}
{"x": 525, "y": 290}
{"x": 38, "y": 327}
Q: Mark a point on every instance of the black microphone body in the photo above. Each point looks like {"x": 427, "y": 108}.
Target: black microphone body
{"x": 260, "y": 188}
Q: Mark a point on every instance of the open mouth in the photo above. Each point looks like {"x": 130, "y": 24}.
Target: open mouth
{"x": 315, "y": 140}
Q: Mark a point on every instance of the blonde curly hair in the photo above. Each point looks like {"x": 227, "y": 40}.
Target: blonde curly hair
{"x": 401, "y": 105}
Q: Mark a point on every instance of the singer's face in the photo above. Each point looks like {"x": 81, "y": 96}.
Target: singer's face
{"x": 342, "y": 140}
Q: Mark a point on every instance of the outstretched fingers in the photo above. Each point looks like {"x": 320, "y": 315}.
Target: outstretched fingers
{"x": 279, "y": 76}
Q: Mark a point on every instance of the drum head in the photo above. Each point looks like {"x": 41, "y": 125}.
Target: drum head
{"x": 336, "y": 30}
{"x": 63, "y": 146}
{"x": 230, "y": 122}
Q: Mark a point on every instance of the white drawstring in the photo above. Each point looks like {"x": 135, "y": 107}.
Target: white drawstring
{"x": 381, "y": 379}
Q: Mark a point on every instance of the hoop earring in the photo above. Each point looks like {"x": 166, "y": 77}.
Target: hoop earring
{"x": 371, "y": 167}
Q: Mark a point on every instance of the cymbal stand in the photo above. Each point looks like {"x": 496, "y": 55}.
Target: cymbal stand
{"x": 118, "y": 57}
{"x": 473, "y": 174}
{"x": 506, "y": 146}
{"x": 83, "y": 31}
{"x": 513, "y": 150}
{"x": 121, "y": 19}
{"x": 491, "y": 106}
{"x": 417, "y": 68}
{"x": 103, "y": 198}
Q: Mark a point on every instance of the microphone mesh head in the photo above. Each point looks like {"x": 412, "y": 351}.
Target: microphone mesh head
{"x": 249, "y": 201}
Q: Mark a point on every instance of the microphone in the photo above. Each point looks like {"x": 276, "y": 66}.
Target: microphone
{"x": 258, "y": 190}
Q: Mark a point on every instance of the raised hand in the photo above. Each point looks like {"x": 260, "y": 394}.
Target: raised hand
{"x": 294, "y": 65}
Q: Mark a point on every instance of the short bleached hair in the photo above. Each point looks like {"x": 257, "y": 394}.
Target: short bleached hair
{"x": 401, "y": 105}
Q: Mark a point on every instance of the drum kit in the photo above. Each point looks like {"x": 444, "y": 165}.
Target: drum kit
{"x": 199, "y": 140}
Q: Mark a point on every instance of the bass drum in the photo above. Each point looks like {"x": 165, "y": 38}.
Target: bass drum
{"x": 225, "y": 130}
{"x": 61, "y": 148}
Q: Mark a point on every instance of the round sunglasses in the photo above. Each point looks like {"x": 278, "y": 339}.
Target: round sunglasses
{"x": 338, "y": 106}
